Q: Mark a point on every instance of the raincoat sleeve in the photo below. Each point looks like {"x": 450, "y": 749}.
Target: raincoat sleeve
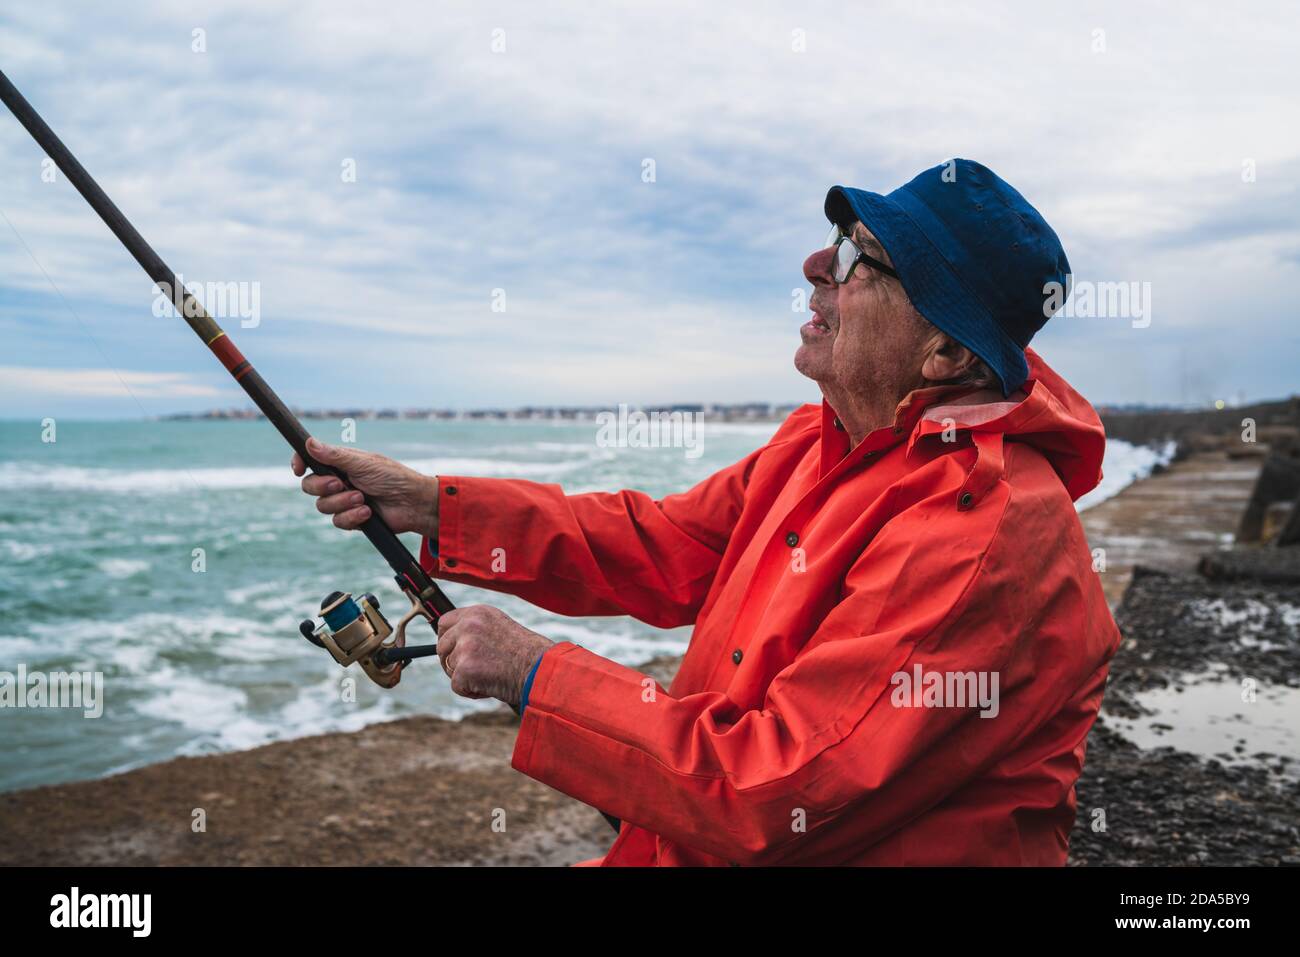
{"x": 832, "y": 743}
{"x": 616, "y": 553}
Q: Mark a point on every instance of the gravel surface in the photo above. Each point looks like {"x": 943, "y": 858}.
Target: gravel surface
{"x": 1164, "y": 807}
{"x": 1159, "y": 806}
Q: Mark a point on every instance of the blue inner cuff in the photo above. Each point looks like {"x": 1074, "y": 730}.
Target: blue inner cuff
{"x": 528, "y": 684}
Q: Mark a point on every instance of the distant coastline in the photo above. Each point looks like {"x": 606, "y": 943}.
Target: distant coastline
{"x": 709, "y": 411}
{"x": 1137, "y": 423}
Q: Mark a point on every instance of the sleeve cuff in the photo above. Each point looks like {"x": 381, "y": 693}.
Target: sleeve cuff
{"x": 439, "y": 556}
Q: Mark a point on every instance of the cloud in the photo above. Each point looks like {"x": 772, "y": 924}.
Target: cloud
{"x": 522, "y": 170}
{"x": 100, "y": 383}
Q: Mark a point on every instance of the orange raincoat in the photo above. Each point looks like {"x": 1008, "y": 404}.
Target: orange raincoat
{"x": 823, "y": 582}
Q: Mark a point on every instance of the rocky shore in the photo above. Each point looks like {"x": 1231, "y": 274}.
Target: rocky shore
{"x": 1233, "y": 648}
{"x": 1196, "y": 620}
{"x": 1207, "y": 678}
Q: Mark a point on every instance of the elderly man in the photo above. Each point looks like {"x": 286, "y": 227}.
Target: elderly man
{"x": 900, "y": 643}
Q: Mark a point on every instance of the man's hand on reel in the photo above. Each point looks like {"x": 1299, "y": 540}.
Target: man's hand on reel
{"x": 487, "y": 654}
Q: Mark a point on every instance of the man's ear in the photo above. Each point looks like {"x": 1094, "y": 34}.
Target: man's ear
{"x": 946, "y": 359}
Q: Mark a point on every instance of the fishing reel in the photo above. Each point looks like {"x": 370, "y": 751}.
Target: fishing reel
{"x": 355, "y": 631}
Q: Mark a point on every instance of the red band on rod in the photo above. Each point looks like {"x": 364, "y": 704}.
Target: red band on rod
{"x": 224, "y": 349}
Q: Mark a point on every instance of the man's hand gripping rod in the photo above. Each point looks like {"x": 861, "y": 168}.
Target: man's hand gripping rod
{"x": 353, "y": 631}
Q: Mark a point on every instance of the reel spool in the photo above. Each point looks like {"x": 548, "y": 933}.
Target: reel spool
{"x": 355, "y": 631}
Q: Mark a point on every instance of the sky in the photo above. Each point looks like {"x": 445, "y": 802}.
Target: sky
{"x": 449, "y": 204}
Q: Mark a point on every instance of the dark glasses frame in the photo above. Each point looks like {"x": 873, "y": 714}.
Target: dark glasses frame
{"x": 842, "y": 263}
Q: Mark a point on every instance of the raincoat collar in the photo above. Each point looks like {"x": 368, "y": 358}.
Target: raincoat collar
{"x": 1046, "y": 413}
{"x": 836, "y": 443}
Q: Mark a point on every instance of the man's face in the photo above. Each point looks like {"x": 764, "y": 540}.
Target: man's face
{"x": 862, "y": 334}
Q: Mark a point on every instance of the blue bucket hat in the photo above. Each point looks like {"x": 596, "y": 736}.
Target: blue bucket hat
{"x": 973, "y": 256}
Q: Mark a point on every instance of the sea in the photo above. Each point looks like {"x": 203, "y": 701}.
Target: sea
{"x": 199, "y": 651}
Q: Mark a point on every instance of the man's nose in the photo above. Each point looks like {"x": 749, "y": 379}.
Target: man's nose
{"x": 817, "y": 267}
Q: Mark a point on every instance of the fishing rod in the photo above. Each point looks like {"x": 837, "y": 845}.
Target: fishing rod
{"x": 353, "y": 630}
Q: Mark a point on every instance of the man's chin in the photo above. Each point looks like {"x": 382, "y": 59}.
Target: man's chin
{"x": 811, "y": 361}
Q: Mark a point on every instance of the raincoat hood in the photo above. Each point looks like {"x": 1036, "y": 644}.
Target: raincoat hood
{"x": 1046, "y": 413}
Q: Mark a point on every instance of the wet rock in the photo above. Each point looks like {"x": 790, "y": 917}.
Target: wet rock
{"x": 1164, "y": 807}
{"x": 1168, "y": 807}
{"x": 1175, "y": 625}
{"x": 1259, "y": 564}
{"x": 1278, "y": 481}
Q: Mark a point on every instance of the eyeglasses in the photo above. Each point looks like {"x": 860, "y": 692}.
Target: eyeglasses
{"x": 848, "y": 255}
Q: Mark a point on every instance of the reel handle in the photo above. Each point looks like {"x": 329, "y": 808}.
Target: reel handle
{"x": 417, "y": 611}
{"x": 389, "y": 656}
{"x": 401, "y": 652}
{"x": 307, "y": 628}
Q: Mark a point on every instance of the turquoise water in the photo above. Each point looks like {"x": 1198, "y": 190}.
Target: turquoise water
{"x": 97, "y": 532}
